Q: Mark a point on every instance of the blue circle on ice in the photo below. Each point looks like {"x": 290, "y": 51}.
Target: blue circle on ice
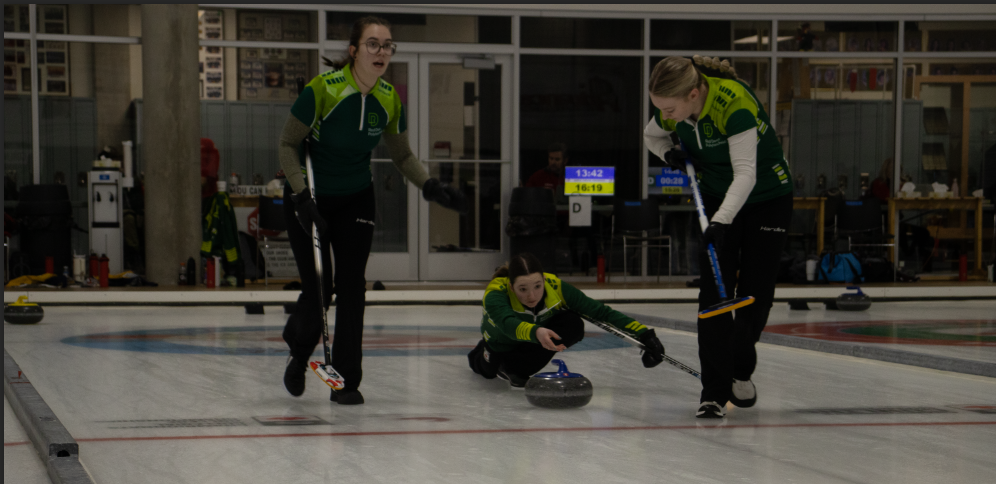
{"x": 378, "y": 340}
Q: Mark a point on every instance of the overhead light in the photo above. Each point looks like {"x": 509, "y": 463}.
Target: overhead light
{"x": 764, "y": 40}
{"x": 484, "y": 62}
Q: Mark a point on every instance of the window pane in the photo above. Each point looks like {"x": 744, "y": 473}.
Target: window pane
{"x": 211, "y": 60}
{"x": 390, "y": 186}
{"x": 266, "y": 74}
{"x": 16, "y": 18}
{"x": 465, "y": 124}
{"x": 841, "y": 122}
{"x": 582, "y": 33}
{"x": 406, "y": 27}
{"x": 262, "y": 25}
{"x": 950, "y": 36}
{"x": 837, "y": 36}
{"x": 590, "y": 104}
{"x": 480, "y": 228}
{"x": 391, "y": 216}
{"x": 464, "y": 112}
{"x": 723, "y": 35}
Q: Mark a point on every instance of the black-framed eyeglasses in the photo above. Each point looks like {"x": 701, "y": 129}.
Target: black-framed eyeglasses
{"x": 374, "y": 47}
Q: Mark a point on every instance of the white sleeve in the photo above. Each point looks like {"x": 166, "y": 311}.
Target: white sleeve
{"x": 743, "y": 157}
{"x": 657, "y": 139}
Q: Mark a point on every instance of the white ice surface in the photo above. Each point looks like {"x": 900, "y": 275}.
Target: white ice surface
{"x": 918, "y": 311}
{"x": 20, "y": 461}
{"x": 430, "y": 419}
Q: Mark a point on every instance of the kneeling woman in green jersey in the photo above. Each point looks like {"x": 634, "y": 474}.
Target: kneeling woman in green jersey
{"x": 530, "y": 315}
{"x": 745, "y": 186}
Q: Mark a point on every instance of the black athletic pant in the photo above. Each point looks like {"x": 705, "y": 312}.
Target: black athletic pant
{"x": 526, "y": 358}
{"x": 350, "y": 221}
{"x": 752, "y": 247}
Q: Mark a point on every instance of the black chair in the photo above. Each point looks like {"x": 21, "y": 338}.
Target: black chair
{"x": 270, "y": 219}
{"x": 862, "y": 224}
{"x": 635, "y": 222}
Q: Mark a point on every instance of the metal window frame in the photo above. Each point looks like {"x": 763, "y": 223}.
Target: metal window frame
{"x": 897, "y": 56}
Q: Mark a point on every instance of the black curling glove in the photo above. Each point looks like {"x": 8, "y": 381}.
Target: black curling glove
{"x": 653, "y": 353}
{"x": 436, "y": 191}
{"x": 714, "y": 235}
{"x": 307, "y": 211}
{"x": 676, "y": 158}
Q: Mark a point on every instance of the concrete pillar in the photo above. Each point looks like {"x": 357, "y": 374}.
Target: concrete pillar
{"x": 171, "y": 139}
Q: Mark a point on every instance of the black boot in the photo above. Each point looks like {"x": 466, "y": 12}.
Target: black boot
{"x": 294, "y": 375}
{"x": 347, "y": 397}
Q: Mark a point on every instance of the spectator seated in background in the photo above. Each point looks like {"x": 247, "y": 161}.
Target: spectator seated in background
{"x": 552, "y": 175}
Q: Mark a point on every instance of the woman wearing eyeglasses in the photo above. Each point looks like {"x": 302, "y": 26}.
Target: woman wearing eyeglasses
{"x": 343, "y": 113}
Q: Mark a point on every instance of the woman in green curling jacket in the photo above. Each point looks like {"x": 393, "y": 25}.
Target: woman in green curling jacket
{"x": 530, "y": 315}
{"x": 343, "y": 113}
{"x": 748, "y": 197}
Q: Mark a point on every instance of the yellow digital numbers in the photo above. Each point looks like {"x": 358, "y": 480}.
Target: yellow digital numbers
{"x": 589, "y": 188}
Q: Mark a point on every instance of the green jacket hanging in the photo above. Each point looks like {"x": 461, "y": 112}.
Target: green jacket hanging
{"x": 220, "y": 231}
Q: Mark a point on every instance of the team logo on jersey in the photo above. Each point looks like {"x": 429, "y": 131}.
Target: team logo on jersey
{"x": 373, "y": 119}
{"x": 708, "y": 130}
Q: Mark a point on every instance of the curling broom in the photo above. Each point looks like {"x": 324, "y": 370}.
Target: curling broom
{"x": 726, "y": 304}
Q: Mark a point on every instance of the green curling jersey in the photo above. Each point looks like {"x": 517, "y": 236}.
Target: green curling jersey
{"x": 731, "y": 108}
{"x": 345, "y": 128}
{"x": 506, "y": 322}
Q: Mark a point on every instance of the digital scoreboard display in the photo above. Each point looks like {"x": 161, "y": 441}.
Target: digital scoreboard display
{"x": 590, "y": 180}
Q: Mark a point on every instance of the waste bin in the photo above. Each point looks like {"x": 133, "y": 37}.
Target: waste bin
{"x": 532, "y": 223}
{"x": 45, "y": 218}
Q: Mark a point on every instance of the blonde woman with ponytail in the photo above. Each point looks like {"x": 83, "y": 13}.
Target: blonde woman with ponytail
{"x": 745, "y": 184}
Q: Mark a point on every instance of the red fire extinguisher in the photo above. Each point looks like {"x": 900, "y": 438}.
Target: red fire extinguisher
{"x": 94, "y": 266}
{"x": 104, "y": 270}
{"x": 963, "y": 268}
{"x": 601, "y": 269}
{"x": 209, "y": 270}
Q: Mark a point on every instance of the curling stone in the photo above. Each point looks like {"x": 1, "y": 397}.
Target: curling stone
{"x": 853, "y": 301}
{"x": 559, "y": 389}
{"x": 22, "y": 312}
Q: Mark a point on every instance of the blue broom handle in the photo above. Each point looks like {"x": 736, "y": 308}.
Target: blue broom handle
{"x": 704, "y": 223}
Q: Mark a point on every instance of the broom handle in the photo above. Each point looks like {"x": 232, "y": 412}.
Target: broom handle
{"x": 704, "y": 223}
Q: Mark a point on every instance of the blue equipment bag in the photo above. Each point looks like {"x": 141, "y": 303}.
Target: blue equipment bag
{"x": 840, "y": 267}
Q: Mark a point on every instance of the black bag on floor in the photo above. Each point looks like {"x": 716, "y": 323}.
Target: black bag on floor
{"x": 877, "y": 269}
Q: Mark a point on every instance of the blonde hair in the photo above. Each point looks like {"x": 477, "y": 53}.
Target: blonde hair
{"x": 677, "y": 76}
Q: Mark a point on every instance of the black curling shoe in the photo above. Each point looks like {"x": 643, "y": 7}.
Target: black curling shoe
{"x": 516, "y": 381}
{"x": 347, "y": 397}
{"x": 294, "y": 376}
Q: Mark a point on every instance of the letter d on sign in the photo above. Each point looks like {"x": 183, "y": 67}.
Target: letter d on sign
{"x": 580, "y": 215}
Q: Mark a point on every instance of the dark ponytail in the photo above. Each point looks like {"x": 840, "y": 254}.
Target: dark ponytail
{"x": 519, "y": 265}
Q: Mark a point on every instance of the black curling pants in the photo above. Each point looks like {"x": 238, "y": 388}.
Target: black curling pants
{"x": 526, "y": 358}
{"x": 749, "y": 259}
{"x": 350, "y": 235}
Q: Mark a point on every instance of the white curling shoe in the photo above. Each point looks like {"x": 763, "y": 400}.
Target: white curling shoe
{"x": 743, "y": 393}
{"x": 710, "y": 410}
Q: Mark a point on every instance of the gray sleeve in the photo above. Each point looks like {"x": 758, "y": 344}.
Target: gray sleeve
{"x": 405, "y": 160}
{"x": 290, "y": 139}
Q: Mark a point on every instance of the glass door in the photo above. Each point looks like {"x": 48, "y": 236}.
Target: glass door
{"x": 464, "y": 116}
